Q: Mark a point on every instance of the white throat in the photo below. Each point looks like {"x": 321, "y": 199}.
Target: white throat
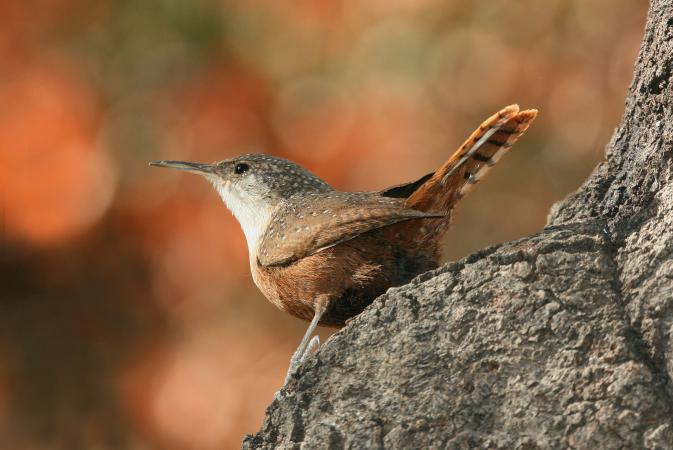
{"x": 252, "y": 214}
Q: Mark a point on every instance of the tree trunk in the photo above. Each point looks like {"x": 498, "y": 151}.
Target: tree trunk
{"x": 561, "y": 339}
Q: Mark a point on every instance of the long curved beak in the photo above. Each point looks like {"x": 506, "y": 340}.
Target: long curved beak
{"x": 197, "y": 168}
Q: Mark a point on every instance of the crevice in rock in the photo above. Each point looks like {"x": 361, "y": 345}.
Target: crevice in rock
{"x": 634, "y": 336}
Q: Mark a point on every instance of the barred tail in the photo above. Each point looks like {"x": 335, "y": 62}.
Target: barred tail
{"x": 482, "y": 150}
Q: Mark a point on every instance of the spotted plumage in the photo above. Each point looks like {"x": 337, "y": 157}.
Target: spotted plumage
{"x": 322, "y": 254}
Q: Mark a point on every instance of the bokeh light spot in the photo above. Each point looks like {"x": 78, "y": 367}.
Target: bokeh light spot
{"x": 56, "y": 178}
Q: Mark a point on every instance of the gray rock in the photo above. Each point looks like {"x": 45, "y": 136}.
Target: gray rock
{"x": 559, "y": 340}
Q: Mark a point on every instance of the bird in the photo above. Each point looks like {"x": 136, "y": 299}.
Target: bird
{"x": 324, "y": 255}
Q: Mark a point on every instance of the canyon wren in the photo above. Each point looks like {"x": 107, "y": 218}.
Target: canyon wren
{"x": 323, "y": 255}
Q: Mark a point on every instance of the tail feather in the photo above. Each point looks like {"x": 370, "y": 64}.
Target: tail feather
{"x": 482, "y": 150}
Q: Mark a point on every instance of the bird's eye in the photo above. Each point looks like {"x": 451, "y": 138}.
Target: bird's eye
{"x": 241, "y": 168}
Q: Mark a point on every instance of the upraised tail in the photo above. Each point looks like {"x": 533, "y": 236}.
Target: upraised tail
{"x": 483, "y": 149}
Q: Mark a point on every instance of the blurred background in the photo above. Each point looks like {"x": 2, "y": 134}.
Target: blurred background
{"x": 128, "y": 317}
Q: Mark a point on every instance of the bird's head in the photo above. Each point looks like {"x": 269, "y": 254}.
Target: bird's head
{"x": 253, "y": 186}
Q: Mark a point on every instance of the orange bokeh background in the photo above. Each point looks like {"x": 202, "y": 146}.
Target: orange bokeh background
{"x": 128, "y": 316}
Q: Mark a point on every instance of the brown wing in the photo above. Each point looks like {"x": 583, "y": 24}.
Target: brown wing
{"x": 302, "y": 229}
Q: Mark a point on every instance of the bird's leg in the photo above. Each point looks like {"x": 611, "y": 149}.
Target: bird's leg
{"x": 307, "y": 345}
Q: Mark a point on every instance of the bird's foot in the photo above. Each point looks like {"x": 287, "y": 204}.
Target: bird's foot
{"x": 311, "y": 348}
{"x": 300, "y": 355}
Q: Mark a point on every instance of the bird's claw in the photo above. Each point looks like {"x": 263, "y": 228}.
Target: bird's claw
{"x": 300, "y": 355}
{"x": 311, "y": 348}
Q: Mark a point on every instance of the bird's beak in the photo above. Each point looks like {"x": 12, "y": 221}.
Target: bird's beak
{"x": 198, "y": 168}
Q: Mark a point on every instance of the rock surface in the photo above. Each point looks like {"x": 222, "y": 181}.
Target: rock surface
{"x": 561, "y": 339}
